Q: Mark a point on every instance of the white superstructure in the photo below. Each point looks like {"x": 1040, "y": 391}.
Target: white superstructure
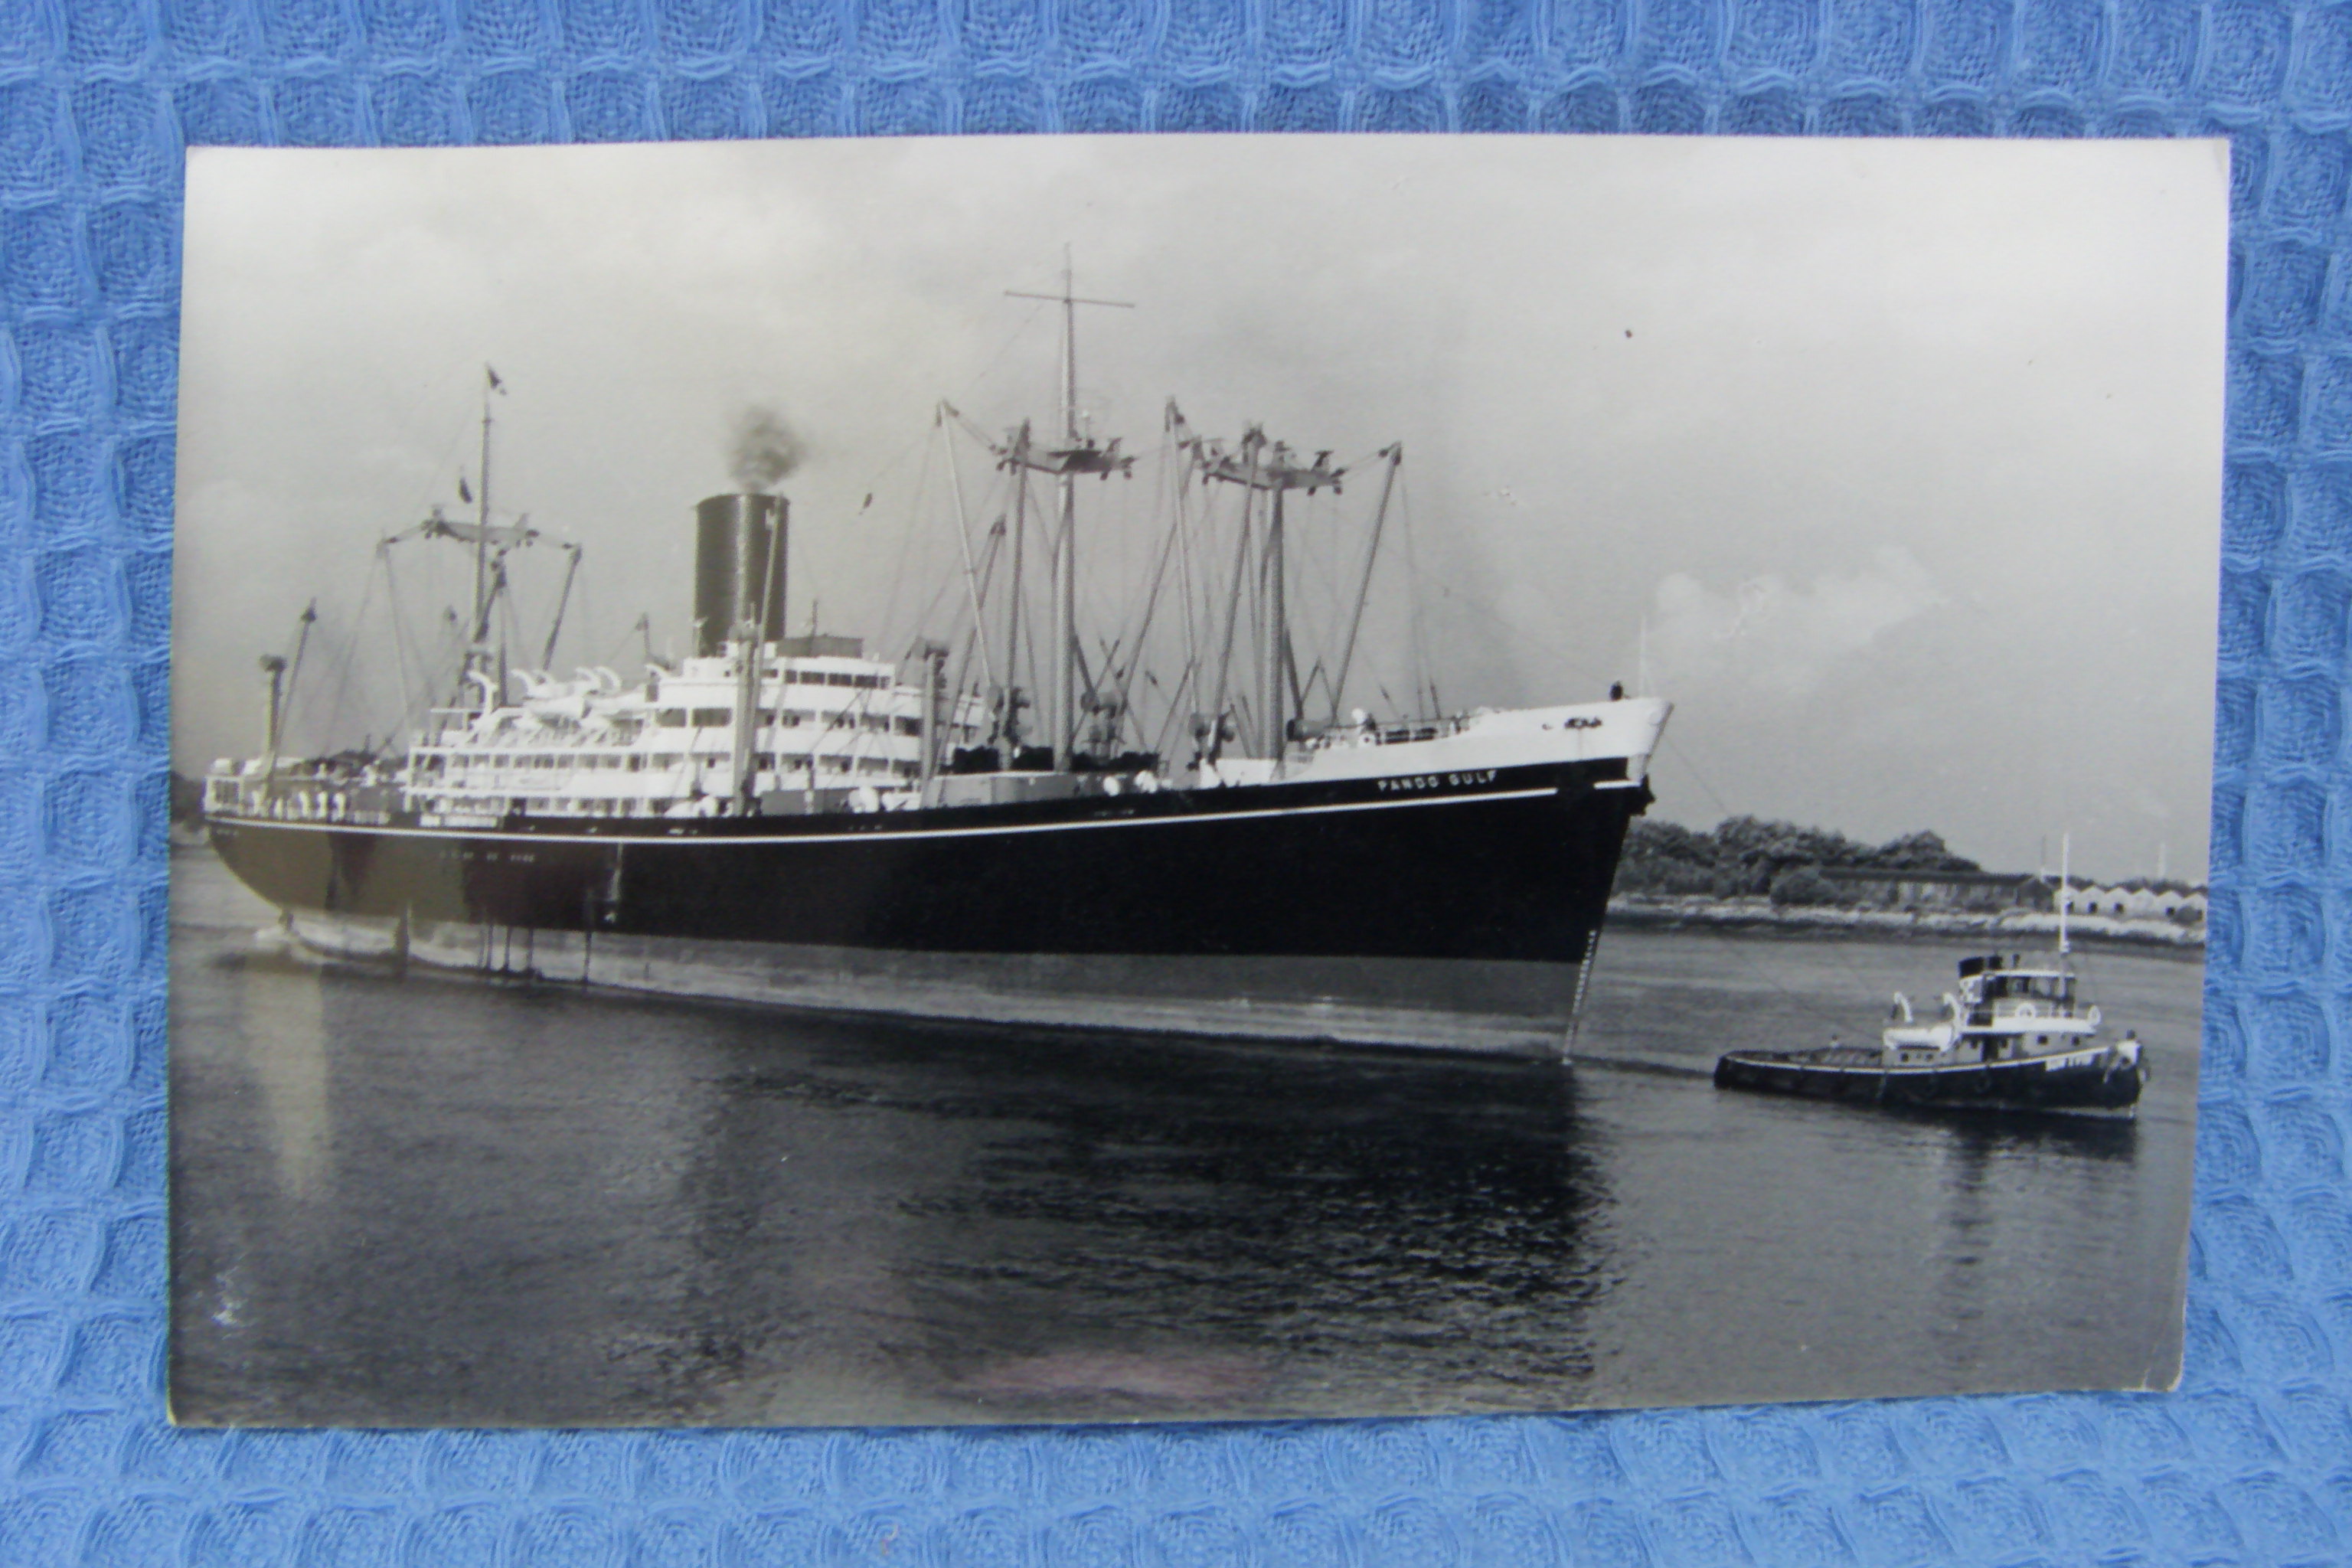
{"x": 592, "y": 747}
{"x": 825, "y": 724}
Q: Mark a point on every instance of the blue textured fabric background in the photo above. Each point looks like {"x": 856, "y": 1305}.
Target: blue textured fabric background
{"x": 2251, "y": 1462}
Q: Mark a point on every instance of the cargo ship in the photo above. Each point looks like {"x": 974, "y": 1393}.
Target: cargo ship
{"x": 792, "y": 820}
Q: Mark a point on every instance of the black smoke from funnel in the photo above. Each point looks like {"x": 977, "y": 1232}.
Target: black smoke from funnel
{"x": 766, "y": 450}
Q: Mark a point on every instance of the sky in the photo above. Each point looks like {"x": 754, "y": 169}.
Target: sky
{"x": 1894, "y": 465}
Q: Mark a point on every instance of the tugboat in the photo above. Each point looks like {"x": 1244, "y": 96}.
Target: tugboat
{"x": 2013, "y": 1036}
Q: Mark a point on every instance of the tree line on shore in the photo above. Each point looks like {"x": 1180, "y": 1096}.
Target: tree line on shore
{"x": 1749, "y": 856}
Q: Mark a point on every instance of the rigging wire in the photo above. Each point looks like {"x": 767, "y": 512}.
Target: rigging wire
{"x": 1861, "y": 983}
{"x": 399, "y": 635}
{"x": 973, "y": 589}
{"x": 620, "y": 646}
{"x": 1180, "y": 491}
{"x": 898, "y": 570}
{"x": 941, "y": 593}
{"x": 1417, "y": 634}
{"x": 988, "y": 559}
{"x": 509, "y": 627}
{"x": 1143, "y": 631}
{"x": 1020, "y": 331}
{"x": 1310, "y": 576}
{"x": 346, "y": 667}
{"x": 876, "y": 481}
{"x": 1574, "y": 663}
{"x": 340, "y": 686}
{"x": 1175, "y": 703}
{"x": 1233, "y": 618}
{"x": 590, "y": 620}
{"x": 1022, "y": 610}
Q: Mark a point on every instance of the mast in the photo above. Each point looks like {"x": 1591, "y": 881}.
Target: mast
{"x": 481, "y": 629}
{"x": 1395, "y": 455}
{"x": 1062, "y": 720}
{"x": 1277, "y": 633}
{"x": 1011, "y": 718}
{"x": 486, "y": 584}
{"x": 933, "y": 657}
{"x": 303, "y": 623}
{"x": 1216, "y": 737}
{"x": 563, "y": 601}
{"x": 1064, "y": 732}
{"x": 1271, "y": 466}
{"x": 475, "y": 632}
{"x": 1078, "y": 455}
{"x": 2065, "y": 895}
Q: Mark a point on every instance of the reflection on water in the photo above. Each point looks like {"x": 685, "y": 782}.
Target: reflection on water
{"x": 1045, "y": 1226}
{"x": 285, "y": 1039}
{"x": 437, "y": 1202}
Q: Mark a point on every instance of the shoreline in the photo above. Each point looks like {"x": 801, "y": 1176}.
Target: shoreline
{"x": 1762, "y": 916}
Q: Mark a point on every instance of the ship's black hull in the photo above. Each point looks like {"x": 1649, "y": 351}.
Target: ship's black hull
{"x": 1478, "y": 895}
{"x": 2105, "y": 1084}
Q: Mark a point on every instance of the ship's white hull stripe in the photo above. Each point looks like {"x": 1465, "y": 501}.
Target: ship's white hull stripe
{"x": 702, "y": 841}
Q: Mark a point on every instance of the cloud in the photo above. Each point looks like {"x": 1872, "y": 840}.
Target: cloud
{"x": 1771, "y": 637}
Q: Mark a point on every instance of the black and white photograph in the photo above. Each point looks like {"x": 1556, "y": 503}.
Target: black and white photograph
{"x": 1143, "y": 778}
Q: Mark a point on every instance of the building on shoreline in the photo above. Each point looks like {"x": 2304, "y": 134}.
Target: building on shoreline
{"x": 1991, "y": 892}
{"x": 1986, "y": 892}
{"x": 2141, "y": 899}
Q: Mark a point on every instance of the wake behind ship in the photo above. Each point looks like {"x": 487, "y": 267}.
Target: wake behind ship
{"x": 790, "y": 820}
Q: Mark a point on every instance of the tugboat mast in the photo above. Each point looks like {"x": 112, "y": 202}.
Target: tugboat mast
{"x": 2065, "y": 893}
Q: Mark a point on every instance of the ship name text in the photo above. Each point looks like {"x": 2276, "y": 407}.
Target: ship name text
{"x": 1437, "y": 780}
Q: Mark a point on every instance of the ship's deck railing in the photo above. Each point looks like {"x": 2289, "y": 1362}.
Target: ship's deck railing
{"x": 1373, "y": 734}
{"x": 296, "y": 805}
{"x": 544, "y": 759}
{"x": 1984, "y": 1015}
{"x": 662, "y": 783}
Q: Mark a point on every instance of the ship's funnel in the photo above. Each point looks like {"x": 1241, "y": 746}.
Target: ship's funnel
{"x": 739, "y": 568}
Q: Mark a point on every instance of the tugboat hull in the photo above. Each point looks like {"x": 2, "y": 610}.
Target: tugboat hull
{"x": 2101, "y": 1081}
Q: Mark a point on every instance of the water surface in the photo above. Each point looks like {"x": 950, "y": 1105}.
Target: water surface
{"x": 439, "y": 1202}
